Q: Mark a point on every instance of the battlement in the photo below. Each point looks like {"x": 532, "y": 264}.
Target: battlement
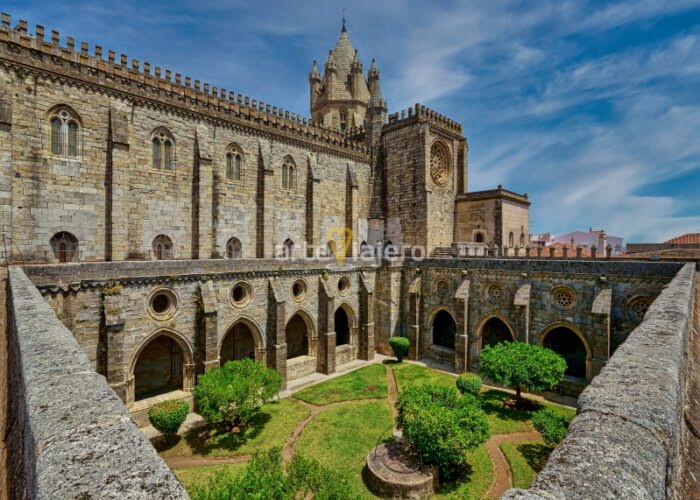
{"x": 170, "y": 86}
{"x": 421, "y": 112}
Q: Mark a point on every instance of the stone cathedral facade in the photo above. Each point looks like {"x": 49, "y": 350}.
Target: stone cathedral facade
{"x": 154, "y": 209}
{"x": 106, "y": 159}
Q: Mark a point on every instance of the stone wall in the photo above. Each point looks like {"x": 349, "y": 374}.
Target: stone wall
{"x": 625, "y": 441}
{"x": 71, "y": 435}
{"x": 399, "y": 297}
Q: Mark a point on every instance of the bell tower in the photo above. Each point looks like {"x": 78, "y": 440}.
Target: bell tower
{"x": 339, "y": 98}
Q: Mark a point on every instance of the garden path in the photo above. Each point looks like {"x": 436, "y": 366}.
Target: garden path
{"x": 502, "y": 479}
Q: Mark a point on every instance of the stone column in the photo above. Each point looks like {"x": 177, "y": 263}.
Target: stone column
{"x": 275, "y": 331}
{"x": 365, "y": 342}
{"x": 207, "y": 350}
{"x": 116, "y": 373}
{"x": 117, "y": 241}
{"x": 325, "y": 354}
{"x": 312, "y": 225}
{"x": 413, "y": 318}
{"x": 202, "y": 181}
{"x": 600, "y": 345}
{"x": 462, "y": 316}
{"x": 522, "y": 308}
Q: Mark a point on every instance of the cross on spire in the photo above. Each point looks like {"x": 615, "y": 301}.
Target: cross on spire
{"x": 343, "y": 28}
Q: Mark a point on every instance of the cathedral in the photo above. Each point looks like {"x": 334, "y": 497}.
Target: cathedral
{"x": 109, "y": 159}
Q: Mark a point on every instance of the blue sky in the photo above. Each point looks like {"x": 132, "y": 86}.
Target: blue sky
{"x": 592, "y": 108}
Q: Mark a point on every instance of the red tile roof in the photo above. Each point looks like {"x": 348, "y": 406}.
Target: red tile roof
{"x": 686, "y": 238}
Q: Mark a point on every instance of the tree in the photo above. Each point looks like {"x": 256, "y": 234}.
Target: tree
{"x": 400, "y": 347}
{"x": 442, "y": 426}
{"x": 551, "y": 425}
{"x": 518, "y": 365}
{"x": 232, "y": 394}
{"x": 168, "y": 416}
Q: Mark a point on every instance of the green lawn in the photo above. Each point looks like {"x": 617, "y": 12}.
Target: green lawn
{"x": 475, "y": 482}
{"x": 341, "y": 437}
{"x": 271, "y": 427}
{"x": 196, "y": 476}
{"x": 407, "y": 374}
{"x": 526, "y": 459}
{"x": 503, "y": 419}
{"x": 366, "y": 383}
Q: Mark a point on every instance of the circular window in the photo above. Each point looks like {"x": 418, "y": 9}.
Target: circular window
{"x": 439, "y": 164}
{"x": 162, "y": 304}
{"x": 241, "y": 294}
{"x": 442, "y": 288}
{"x": 495, "y": 294}
{"x": 299, "y": 290}
{"x": 343, "y": 285}
{"x": 637, "y": 308}
{"x": 563, "y": 298}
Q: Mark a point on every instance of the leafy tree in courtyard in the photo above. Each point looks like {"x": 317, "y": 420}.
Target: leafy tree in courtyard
{"x": 231, "y": 395}
{"x": 551, "y": 425}
{"x": 518, "y": 365}
{"x": 400, "y": 347}
{"x": 442, "y": 426}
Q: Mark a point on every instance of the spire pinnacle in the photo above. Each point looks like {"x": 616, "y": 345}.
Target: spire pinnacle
{"x": 343, "y": 28}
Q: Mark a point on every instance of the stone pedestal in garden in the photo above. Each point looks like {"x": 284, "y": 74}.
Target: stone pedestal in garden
{"x": 394, "y": 471}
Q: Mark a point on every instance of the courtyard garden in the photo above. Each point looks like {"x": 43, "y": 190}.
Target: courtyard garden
{"x": 329, "y": 428}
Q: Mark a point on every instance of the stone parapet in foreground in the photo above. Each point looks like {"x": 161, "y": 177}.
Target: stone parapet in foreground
{"x": 625, "y": 441}
{"x": 71, "y": 436}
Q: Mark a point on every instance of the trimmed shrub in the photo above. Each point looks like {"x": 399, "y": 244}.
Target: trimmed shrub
{"x": 469, "y": 383}
{"x": 232, "y": 394}
{"x": 552, "y": 425}
{"x": 442, "y": 426}
{"x": 263, "y": 478}
{"x": 518, "y": 365}
{"x": 400, "y": 347}
{"x": 168, "y": 416}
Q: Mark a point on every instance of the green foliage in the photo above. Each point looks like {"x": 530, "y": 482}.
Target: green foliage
{"x": 400, "y": 347}
{"x": 263, "y": 478}
{"x": 551, "y": 425}
{"x": 469, "y": 383}
{"x": 232, "y": 394}
{"x": 518, "y": 364}
{"x": 441, "y": 425}
{"x": 168, "y": 416}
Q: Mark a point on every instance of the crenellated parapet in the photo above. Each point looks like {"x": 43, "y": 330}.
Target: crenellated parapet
{"x": 422, "y": 113}
{"x": 157, "y": 86}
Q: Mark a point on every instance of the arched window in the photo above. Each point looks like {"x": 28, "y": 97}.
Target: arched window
{"x": 163, "y": 151}
{"x": 234, "y": 163}
{"x": 65, "y": 136}
{"x": 511, "y": 239}
{"x": 289, "y": 180}
{"x": 162, "y": 247}
{"x": 522, "y": 239}
{"x": 343, "y": 120}
{"x": 479, "y": 237}
{"x": 234, "y": 249}
{"x": 288, "y": 248}
{"x": 64, "y": 246}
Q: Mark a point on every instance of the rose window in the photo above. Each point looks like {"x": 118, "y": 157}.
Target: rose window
{"x": 439, "y": 164}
